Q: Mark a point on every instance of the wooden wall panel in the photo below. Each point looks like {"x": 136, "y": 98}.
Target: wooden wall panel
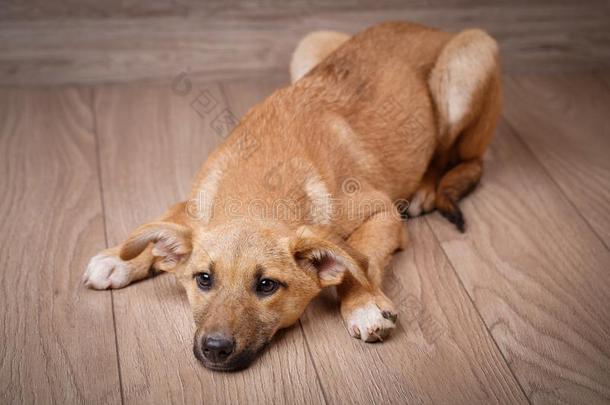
{"x": 62, "y": 42}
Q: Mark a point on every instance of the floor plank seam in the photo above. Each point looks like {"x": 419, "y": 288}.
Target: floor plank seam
{"x": 548, "y": 174}
{"x": 478, "y": 314}
{"x": 103, "y": 206}
{"x": 315, "y": 368}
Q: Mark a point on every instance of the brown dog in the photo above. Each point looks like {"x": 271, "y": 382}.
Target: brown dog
{"x": 398, "y": 111}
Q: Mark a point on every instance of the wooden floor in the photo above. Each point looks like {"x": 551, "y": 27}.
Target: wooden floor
{"x": 516, "y": 310}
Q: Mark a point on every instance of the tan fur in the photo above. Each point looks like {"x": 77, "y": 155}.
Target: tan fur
{"x": 312, "y": 49}
{"x": 394, "y": 110}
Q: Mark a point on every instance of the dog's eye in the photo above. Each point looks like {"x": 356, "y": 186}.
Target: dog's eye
{"x": 204, "y": 280}
{"x": 267, "y": 286}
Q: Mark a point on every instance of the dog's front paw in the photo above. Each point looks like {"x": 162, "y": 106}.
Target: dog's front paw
{"x": 370, "y": 323}
{"x": 107, "y": 271}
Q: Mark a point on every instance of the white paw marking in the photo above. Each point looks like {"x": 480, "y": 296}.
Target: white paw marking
{"x": 415, "y": 204}
{"x": 422, "y": 202}
{"x": 369, "y": 323}
{"x": 104, "y": 271}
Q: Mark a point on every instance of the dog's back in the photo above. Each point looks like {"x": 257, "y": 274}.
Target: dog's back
{"x": 377, "y": 110}
{"x": 377, "y": 81}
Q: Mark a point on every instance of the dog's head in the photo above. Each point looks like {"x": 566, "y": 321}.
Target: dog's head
{"x": 244, "y": 280}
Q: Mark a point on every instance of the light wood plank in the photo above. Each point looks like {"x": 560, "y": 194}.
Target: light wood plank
{"x": 58, "y": 343}
{"x": 439, "y": 353}
{"x": 152, "y": 143}
{"x": 563, "y": 120}
{"x": 537, "y": 274}
{"x": 155, "y": 40}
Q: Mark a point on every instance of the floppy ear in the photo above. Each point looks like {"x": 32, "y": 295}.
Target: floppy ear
{"x": 172, "y": 243}
{"x": 331, "y": 262}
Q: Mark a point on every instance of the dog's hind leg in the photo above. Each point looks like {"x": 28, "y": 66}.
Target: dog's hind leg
{"x": 312, "y": 49}
{"x": 423, "y": 200}
{"x": 465, "y": 86}
{"x": 464, "y": 176}
{"x": 107, "y": 269}
{"x": 454, "y": 185}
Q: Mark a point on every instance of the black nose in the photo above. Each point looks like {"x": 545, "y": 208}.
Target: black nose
{"x": 217, "y": 348}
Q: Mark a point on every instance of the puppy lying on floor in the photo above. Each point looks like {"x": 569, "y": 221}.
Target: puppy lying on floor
{"x": 399, "y": 111}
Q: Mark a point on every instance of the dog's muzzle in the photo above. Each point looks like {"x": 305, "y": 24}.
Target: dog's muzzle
{"x": 218, "y": 352}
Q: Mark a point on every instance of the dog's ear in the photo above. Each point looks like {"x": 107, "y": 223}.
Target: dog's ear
{"x": 330, "y": 261}
{"x": 172, "y": 243}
